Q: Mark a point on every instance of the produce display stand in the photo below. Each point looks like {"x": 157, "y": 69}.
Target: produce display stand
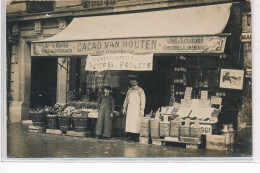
{"x": 187, "y": 122}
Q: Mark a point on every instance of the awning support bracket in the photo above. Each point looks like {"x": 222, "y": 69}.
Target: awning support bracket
{"x": 62, "y": 66}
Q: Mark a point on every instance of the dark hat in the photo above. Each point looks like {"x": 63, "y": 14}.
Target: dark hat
{"x": 108, "y": 88}
{"x": 132, "y": 77}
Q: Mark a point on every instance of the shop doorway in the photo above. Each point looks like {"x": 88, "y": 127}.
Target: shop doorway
{"x": 43, "y": 82}
{"x": 157, "y": 83}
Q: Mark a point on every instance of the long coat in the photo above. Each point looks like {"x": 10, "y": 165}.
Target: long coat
{"x": 106, "y": 107}
{"x": 134, "y": 104}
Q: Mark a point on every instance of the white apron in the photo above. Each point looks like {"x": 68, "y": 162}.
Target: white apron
{"x": 133, "y": 118}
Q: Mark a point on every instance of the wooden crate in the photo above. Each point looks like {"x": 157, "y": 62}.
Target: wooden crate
{"x": 185, "y": 131}
{"x": 195, "y": 132}
{"x": 218, "y": 142}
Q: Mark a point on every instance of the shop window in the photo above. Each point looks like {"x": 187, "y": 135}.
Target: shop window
{"x": 39, "y": 6}
{"x": 98, "y": 3}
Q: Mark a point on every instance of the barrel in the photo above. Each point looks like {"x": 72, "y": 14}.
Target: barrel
{"x": 38, "y": 117}
{"x": 64, "y": 123}
{"x": 52, "y": 121}
{"x": 80, "y": 124}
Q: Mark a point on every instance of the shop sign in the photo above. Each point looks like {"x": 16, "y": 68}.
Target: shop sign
{"x": 203, "y": 44}
{"x": 246, "y": 37}
{"x": 246, "y": 22}
{"x": 247, "y": 55}
{"x": 248, "y": 73}
{"x": 120, "y": 62}
{"x": 206, "y": 129}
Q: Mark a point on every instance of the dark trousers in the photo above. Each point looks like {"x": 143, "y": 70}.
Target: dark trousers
{"x": 104, "y": 122}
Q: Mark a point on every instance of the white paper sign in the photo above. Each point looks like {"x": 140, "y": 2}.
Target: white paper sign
{"x": 206, "y": 129}
{"x": 120, "y": 62}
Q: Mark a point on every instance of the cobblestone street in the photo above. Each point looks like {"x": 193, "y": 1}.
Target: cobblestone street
{"x": 23, "y": 144}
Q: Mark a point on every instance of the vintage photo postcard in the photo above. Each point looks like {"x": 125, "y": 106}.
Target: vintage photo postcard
{"x": 162, "y": 79}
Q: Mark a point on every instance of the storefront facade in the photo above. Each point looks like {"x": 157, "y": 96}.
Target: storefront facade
{"x": 186, "y": 53}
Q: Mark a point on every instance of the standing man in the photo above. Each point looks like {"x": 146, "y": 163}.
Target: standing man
{"x": 106, "y": 107}
{"x": 134, "y": 106}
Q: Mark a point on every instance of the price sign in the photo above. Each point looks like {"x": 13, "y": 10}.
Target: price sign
{"x": 206, "y": 129}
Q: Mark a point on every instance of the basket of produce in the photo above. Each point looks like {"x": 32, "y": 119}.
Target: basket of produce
{"x": 52, "y": 116}
{"x": 52, "y": 120}
{"x": 38, "y": 117}
{"x": 64, "y": 118}
{"x": 80, "y": 120}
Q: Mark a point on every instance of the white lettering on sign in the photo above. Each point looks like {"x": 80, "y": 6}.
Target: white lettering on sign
{"x": 205, "y": 44}
{"x": 246, "y": 37}
{"x": 206, "y": 129}
{"x": 119, "y": 62}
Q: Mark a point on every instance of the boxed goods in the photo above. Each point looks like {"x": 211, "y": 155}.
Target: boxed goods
{"x": 145, "y": 127}
{"x": 175, "y": 128}
{"x": 155, "y": 128}
{"x": 164, "y": 129}
{"x": 185, "y": 131}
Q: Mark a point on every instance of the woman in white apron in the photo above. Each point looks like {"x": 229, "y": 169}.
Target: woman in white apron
{"x": 134, "y": 106}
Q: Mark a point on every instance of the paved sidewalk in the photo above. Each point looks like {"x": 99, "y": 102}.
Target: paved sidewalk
{"x": 23, "y": 144}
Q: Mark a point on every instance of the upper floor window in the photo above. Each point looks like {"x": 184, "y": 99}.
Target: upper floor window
{"x": 98, "y": 3}
{"x": 39, "y": 6}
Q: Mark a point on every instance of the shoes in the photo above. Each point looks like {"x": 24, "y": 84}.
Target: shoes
{"x": 105, "y": 137}
{"x": 99, "y": 137}
{"x": 136, "y": 139}
{"x": 129, "y": 138}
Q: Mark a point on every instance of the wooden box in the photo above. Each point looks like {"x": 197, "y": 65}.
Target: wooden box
{"x": 217, "y": 142}
{"x": 185, "y": 131}
{"x": 164, "y": 129}
{"x": 195, "y": 132}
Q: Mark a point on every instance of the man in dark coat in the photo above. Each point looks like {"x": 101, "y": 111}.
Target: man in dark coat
{"x": 106, "y": 108}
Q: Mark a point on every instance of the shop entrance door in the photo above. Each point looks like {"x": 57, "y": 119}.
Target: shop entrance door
{"x": 157, "y": 83}
{"x": 43, "y": 82}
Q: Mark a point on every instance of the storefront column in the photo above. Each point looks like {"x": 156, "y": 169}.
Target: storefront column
{"x": 21, "y": 69}
{"x": 61, "y": 81}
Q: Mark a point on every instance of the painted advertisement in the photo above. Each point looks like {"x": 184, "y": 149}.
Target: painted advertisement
{"x": 202, "y": 44}
{"x": 120, "y": 62}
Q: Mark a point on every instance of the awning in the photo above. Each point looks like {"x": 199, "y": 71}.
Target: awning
{"x": 97, "y": 34}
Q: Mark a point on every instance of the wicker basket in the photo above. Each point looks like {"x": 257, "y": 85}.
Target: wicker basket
{"x": 38, "y": 117}
{"x": 80, "y": 124}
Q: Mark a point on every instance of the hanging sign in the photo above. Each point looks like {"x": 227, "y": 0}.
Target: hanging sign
{"x": 246, "y": 37}
{"x": 120, "y": 62}
{"x": 196, "y": 44}
{"x": 231, "y": 79}
{"x": 248, "y": 73}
